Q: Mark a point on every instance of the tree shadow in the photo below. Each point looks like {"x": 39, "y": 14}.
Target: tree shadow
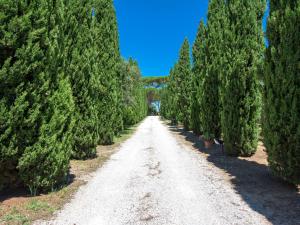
{"x": 23, "y": 192}
{"x": 273, "y": 198}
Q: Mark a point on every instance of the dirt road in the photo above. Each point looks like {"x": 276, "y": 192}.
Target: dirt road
{"x": 153, "y": 179}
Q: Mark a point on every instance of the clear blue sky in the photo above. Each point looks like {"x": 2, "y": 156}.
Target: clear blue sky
{"x": 152, "y": 31}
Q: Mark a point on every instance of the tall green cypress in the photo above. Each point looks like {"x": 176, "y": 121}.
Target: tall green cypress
{"x": 134, "y": 99}
{"x": 127, "y": 86}
{"x": 199, "y": 59}
{"x": 173, "y": 96}
{"x": 281, "y": 119}
{"x": 167, "y": 95}
{"x": 169, "y": 98}
{"x": 183, "y": 78}
{"x": 36, "y": 99}
{"x": 81, "y": 57}
{"x": 241, "y": 97}
{"x": 164, "y": 100}
{"x": 107, "y": 61}
{"x": 210, "y": 101}
{"x": 139, "y": 93}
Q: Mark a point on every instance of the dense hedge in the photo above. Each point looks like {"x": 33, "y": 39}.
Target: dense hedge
{"x": 61, "y": 88}
{"x": 281, "y": 118}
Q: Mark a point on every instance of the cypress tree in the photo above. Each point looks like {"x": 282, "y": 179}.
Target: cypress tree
{"x": 36, "y": 99}
{"x": 210, "y": 101}
{"x": 164, "y": 103}
{"x": 107, "y": 66}
{"x": 169, "y": 98}
{"x": 126, "y": 86}
{"x": 199, "y": 58}
{"x": 183, "y": 79}
{"x": 241, "y": 97}
{"x": 281, "y": 120}
{"x": 141, "y": 106}
{"x": 133, "y": 102}
{"x": 81, "y": 57}
{"x": 165, "y": 99}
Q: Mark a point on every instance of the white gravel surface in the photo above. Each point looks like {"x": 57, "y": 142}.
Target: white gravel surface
{"x": 153, "y": 179}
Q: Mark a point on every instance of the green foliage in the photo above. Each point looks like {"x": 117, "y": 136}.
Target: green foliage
{"x": 176, "y": 96}
{"x": 81, "y": 55}
{"x": 210, "y": 100}
{"x": 241, "y": 97}
{"x": 199, "y": 59}
{"x": 134, "y": 105}
{"x": 153, "y": 95}
{"x": 36, "y": 206}
{"x": 281, "y": 118}
{"x": 183, "y": 80}
{"x": 36, "y": 98}
{"x": 169, "y": 98}
{"x": 15, "y": 217}
{"x": 155, "y": 82}
{"x": 61, "y": 89}
{"x": 107, "y": 58}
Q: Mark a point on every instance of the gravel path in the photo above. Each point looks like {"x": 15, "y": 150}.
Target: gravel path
{"x": 155, "y": 180}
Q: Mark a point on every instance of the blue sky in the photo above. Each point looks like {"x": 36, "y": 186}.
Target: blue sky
{"x": 152, "y": 31}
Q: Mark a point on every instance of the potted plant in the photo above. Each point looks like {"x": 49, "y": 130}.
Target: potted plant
{"x": 208, "y": 140}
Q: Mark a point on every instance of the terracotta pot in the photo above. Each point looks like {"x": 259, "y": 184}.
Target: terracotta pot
{"x": 208, "y": 143}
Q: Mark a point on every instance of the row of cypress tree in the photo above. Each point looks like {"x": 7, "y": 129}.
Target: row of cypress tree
{"x": 234, "y": 86}
{"x": 63, "y": 87}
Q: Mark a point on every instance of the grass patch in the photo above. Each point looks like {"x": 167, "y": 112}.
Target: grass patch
{"x": 15, "y": 217}
{"x": 125, "y": 134}
{"x": 36, "y": 205}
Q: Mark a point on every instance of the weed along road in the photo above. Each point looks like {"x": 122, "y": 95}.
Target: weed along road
{"x": 154, "y": 179}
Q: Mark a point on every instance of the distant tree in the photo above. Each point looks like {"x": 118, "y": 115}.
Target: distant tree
{"x": 169, "y": 99}
{"x": 164, "y": 103}
{"x": 241, "y": 97}
{"x": 134, "y": 102}
{"x": 199, "y": 70}
{"x": 281, "y": 118}
{"x": 183, "y": 80}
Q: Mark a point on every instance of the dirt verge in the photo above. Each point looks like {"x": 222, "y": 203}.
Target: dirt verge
{"x": 17, "y": 207}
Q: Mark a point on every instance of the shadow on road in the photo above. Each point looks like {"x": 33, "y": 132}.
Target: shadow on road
{"x": 278, "y": 201}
